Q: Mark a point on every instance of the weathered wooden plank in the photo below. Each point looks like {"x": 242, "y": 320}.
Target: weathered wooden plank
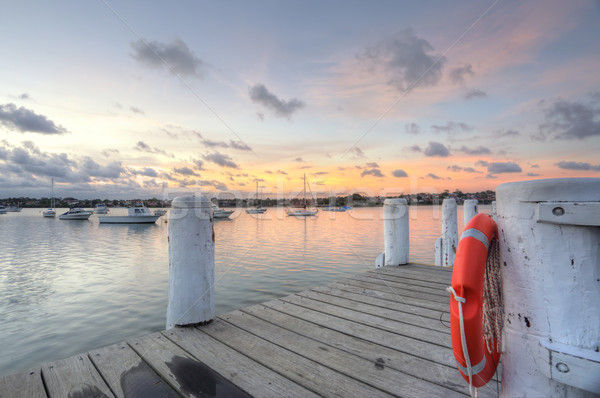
{"x": 403, "y": 283}
{"x": 426, "y": 350}
{"x": 426, "y": 267}
{"x": 27, "y": 384}
{"x": 187, "y": 375}
{"x": 385, "y": 300}
{"x": 375, "y": 310}
{"x": 408, "y": 296}
{"x": 415, "y": 332}
{"x": 374, "y": 373}
{"x": 74, "y": 377}
{"x": 303, "y": 371}
{"x": 127, "y": 374}
{"x": 408, "y": 278}
{"x": 403, "y": 288}
{"x": 249, "y": 375}
{"x": 416, "y": 284}
{"x": 392, "y": 296}
{"x": 442, "y": 276}
{"x": 442, "y": 375}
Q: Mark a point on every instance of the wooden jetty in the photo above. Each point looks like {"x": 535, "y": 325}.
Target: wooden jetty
{"x": 383, "y": 333}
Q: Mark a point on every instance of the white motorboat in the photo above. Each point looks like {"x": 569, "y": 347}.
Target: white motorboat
{"x": 2, "y": 209}
{"x": 221, "y": 213}
{"x": 303, "y": 211}
{"x": 258, "y": 209}
{"x": 50, "y": 212}
{"x": 14, "y": 209}
{"x": 100, "y": 209}
{"x": 76, "y": 213}
{"x": 135, "y": 215}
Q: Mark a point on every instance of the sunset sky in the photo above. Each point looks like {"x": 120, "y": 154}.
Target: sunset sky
{"x": 113, "y": 99}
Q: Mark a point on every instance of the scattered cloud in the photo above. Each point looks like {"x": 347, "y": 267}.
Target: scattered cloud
{"x": 27, "y": 121}
{"x": 143, "y": 147}
{"x": 475, "y": 93}
{"x": 508, "y": 133}
{"x": 175, "y": 57}
{"x": 399, "y": 173}
{"x": 112, "y": 170}
{"x": 407, "y": 60}
{"x": 198, "y": 164}
{"x": 262, "y": 96}
{"x": 480, "y": 150}
{"x": 136, "y": 110}
{"x": 212, "y": 183}
{"x": 28, "y": 162}
{"x": 220, "y": 159}
{"x": 146, "y": 171}
{"x": 109, "y": 152}
{"x": 532, "y": 175}
{"x": 374, "y": 172}
{"x": 372, "y": 165}
{"x": 185, "y": 171}
{"x": 566, "y": 120}
{"x": 357, "y": 153}
{"x": 435, "y": 177}
{"x": 436, "y": 149}
{"x": 240, "y": 145}
{"x": 577, "y": 166}
{"x": 299, "y": 159}
{"x": 459, "y": 74}
{"x": 412, "y": 128}
{"x": 451, "y": 127}
{"x": 499, "y": 167}
{"x": 458, "y": 169}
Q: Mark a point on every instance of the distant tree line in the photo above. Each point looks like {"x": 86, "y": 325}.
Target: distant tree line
{"x": 354, "y": 200}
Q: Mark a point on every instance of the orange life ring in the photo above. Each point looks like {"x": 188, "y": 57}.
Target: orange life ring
{"x": 467, "y": 300}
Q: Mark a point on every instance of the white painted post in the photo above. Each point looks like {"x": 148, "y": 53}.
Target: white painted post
{"x": 395, "y": 226}
{"x": 494, "y": 211}
{"x": 438, "y": 252}
{"x": 550, "y": 257}
{"x": 191, "y": 261}
{"x": 446, "y": 247}
{"x": 469, "y": 209}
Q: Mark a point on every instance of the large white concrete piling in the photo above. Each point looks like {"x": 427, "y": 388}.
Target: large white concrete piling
{"x": 191, "y": 261}
{"x": 550, "y": 259}
{"x": 445, "y": 247}
{"x": 469, "y": 209}
{"x": 396, "y": 231}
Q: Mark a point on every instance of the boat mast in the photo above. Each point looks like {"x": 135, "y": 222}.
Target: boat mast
{"x": 52, "y": 199}
{"x": 305, "y": 190}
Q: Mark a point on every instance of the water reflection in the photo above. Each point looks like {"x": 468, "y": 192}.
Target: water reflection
{"x": 68, "y": 287}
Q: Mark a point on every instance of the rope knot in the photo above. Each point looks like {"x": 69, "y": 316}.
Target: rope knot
{"x": 456, "y": 296}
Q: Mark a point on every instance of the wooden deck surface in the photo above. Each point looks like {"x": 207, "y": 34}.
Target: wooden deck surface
{"x": 384, "y": 333}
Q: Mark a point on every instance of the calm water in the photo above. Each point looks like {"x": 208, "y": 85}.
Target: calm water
{"x": 71, "y": 286}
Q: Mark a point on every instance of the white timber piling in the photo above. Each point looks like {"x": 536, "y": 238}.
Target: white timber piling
{"x": 469, "y": 209}
{"x": 191, "y": 262}
{"x": 396, "y": 232}
{"x": 445, "y": 247}
{"x": 550, "y": 259}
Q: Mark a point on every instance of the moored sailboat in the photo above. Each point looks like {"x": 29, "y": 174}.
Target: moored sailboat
{"x": 258, "y": 209}
{"x": 50, "y": 212}
{"x": 303, "y": 211}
